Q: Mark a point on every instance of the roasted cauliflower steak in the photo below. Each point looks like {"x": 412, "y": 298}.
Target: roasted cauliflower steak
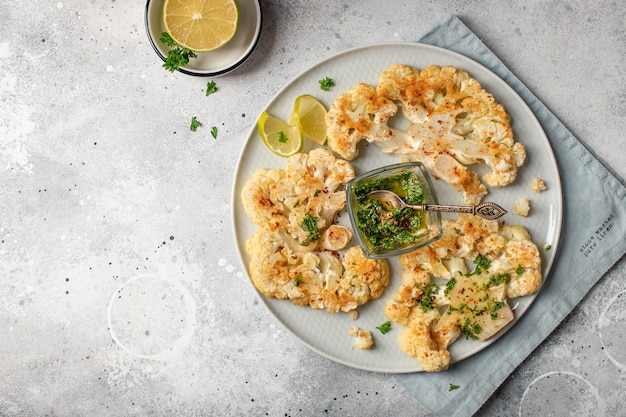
{"x": 471, "y": 302}
{"x": 453, "y": 123}
{"x": 293, "y": 252}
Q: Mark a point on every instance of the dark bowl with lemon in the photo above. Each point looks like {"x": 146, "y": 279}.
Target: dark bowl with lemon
{"x": 216, "y": 48}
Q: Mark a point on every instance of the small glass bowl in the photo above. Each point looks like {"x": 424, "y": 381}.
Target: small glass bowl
{"x": 433, "y": 228}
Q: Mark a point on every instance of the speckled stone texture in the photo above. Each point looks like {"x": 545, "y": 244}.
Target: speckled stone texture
{"x": 121, "y": 292}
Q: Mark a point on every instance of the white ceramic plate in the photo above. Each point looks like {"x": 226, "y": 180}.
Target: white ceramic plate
{"x": 220, "y": 61}
{"x": 327, "y": 333}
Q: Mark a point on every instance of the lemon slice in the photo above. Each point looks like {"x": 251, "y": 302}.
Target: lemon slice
{"x": 280, "y": 137}
{"x": 310, "y": 117}
{"x": 201, "y": 25}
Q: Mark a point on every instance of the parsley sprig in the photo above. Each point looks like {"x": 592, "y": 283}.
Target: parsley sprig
{"x": 195, "y": 123}
{"x": 177, "y": 56}
{"x": 326, "y": 84}
{"x": 211, "y": 88}
{"x": 385, "y": 327}
{"x": 309, "y": 224}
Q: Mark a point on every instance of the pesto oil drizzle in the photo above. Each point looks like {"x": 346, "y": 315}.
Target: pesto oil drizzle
{"x": 389, "y": 228}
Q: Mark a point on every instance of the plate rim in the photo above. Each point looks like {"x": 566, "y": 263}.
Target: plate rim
{"x": 238, "y": 183}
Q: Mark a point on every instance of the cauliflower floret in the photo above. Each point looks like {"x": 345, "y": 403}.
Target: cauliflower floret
{"x": 363, "y": 279}
{"x": 336, "y": 237}
{"x": 362, "y": 338}
{"x": 537, "y": 185}
{"x": 260, "y": 201}
{"x": 293, "y": 251}
{"x": 453, "y": 122}
{"x": 417, "y": 341}
{"x": 522, "y": 207}
{"x": 505, "y": 264}
{"x": 356, "y": 115}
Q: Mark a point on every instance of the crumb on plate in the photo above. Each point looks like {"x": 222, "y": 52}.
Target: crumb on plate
{"x": 522, "y": 207}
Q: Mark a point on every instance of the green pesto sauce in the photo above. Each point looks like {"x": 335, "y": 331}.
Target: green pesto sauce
{"x": 384, "y": 227}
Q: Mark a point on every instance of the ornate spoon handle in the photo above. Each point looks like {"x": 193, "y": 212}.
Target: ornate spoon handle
{"x": 489, "y": 211}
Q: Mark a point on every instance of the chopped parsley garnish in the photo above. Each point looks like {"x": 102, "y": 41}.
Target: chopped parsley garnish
{"x": 194, "y": 124}
{"x": 211, "y": 88}
{"x": 214, "y": 132}
{"x": 482, "y": 263}
{"x": 519, "y": 270}
{"x": 317, "y": 192}
{"x": 297, "y": 281}
{"x": 385, "y": 327}
{"x": 547, "y": 248}
{"x": 449, "y": 285}
{"x": 428, "y": 297}
{"x": 453, "y": 387}
{"x": 470, "y": 330}
{"x": 388, "y": 228}
{"x": 326, "y": 84}
{"x": 176, "y": 57}
{"x": 309, "y": 224}
{"x": 494, "y": 309}
{"x": 282, "y": 138}
{"x": 495, "y": 280}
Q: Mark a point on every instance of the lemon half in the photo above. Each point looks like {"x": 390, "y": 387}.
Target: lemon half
{"x": 201, "y": 25}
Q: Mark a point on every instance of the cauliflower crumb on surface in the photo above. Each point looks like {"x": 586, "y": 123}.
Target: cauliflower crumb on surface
{"x": 453, "y": 123}
{"x": 362, "y": 338}
{"x": 293, "y": 253}
{"x": 503, "y": 263}
{"x": 522, "y": 207}
{"x": 537, "y": 185}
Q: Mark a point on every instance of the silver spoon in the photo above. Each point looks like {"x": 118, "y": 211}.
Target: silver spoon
{"x": 489, "y": 211}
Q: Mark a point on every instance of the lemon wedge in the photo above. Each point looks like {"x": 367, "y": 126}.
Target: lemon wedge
{"x": 310, "y": 117}
{"x": 280, "y": 137}
{"x": 201, "y": 25}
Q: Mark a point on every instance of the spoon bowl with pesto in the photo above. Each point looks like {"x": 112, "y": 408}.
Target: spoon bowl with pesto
{"x": 383, "y": 230}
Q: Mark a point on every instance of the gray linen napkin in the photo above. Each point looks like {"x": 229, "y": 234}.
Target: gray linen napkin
{"x": 574, "y": 271}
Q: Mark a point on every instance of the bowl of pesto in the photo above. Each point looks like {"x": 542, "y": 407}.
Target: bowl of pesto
{"x": 385, "y": 231}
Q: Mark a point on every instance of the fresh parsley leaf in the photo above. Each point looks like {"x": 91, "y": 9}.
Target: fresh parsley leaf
{"x": 211, "y": 88}
{"x": 494, "y": 309}
{"x": 309, "y": 224}
{"x": 495, "y": 280}
{"x": 194, "y": 124}
{"x": 214, "y": 132}
{"x": 326, "y": 84}
{"x": 385, "y": 327}
{"x": 282, "y": 138}
{"x": 470, "y": 330}
{"x": 481, "y": 263}
{"x": 297, "y": 281}
{"x": 449, "y": 285}
{"x": 428, "y": 297}
{"x": 519, "y": 270}
{"x": 177, "y": 56}
{"x": 453, "y": 387}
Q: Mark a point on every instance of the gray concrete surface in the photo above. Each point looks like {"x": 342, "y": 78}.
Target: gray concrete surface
{"x": 121, "y": 292}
